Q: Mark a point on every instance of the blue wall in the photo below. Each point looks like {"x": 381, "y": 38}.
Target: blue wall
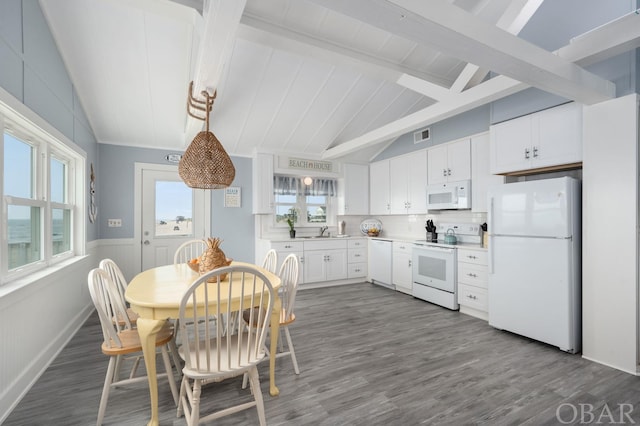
{"x": 32, "y": 70}
{"x": 115, "y": 178}
{"x": 460, "y": 126}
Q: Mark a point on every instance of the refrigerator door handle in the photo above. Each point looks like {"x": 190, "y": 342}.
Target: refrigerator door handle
{"x": 490, "y": 227}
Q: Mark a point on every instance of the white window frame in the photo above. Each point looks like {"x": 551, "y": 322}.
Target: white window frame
{"x": 301, "y": 206}
{"x": 46, "y": 145}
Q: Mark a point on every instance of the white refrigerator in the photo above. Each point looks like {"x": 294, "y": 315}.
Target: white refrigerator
{"x": 535, "y": 260}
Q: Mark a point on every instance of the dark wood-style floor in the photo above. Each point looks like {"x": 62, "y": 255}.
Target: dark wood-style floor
{"x": 368, "y": 356}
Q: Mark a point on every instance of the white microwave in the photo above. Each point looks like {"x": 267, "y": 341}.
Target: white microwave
{"x": 449, "y": 196}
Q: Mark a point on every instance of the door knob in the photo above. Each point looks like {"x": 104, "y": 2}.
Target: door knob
{"x": 146, "y": 242}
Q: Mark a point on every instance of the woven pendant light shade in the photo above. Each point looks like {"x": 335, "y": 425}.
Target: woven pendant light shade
{"x": 205, "y": 164}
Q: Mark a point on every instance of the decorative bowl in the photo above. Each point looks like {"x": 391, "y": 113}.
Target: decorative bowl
{"x": 194, "y": 265}
{"x": 371, "y": 225}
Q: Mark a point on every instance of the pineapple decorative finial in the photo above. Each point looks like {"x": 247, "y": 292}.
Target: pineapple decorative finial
{"x": 213, "y": 257}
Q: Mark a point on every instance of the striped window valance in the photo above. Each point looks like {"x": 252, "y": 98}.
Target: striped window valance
{"x": 292, "y": 185}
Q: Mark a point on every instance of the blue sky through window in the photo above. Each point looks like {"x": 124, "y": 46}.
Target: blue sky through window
{"x": 17, "y": 167}
{"x": 173, "y": 199}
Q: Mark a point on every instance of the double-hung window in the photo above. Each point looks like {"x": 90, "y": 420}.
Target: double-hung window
{"x": 307, "y": 201}
{"x": 40, "y": 201}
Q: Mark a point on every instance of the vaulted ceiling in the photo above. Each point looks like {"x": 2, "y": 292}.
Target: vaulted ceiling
{"x": 320, "y": 78}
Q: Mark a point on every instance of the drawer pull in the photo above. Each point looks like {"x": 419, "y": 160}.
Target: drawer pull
{"x": 472, "y": 275}
{"x": 471, "y": 256}
{"x": 471, "y": 296}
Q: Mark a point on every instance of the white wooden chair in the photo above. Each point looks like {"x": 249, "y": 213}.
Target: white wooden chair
{"x": 270, "y": 261}
{"x": 120, "y": 340}
{"x": 189, "y": 250}
{"x": 289, "y": 275}
{"x": 116, "y": 275}
{"x": 216, "y": 350}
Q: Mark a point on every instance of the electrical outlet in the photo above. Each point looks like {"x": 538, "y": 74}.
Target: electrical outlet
{"x": 114, "y": 223}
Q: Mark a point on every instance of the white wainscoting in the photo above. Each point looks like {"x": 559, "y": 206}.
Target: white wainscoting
{"x": 121, "y": 251}
{"x": 36, "y": 321}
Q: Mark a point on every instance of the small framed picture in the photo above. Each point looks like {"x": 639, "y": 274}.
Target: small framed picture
{"x": 232, "y": 196}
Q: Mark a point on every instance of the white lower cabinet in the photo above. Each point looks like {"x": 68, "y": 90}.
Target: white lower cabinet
{"x": 330, "y": 259}
{"x": 285, "y": 248}
{"x": 357, "y": 258}
{"x": 472, "y": 282}
{"x": 401, "y": 267}
{"x": 325, "y": 260}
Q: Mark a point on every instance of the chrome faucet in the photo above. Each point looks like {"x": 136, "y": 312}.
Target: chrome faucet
{"x": 322, "y": 229}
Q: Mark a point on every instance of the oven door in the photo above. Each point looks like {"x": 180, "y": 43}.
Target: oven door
{"x": 434, "y": 266}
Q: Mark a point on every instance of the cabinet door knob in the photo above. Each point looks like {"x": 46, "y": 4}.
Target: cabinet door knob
{"x": 444, "y": 172}
{"x": 448, "y": 172}
{"x": 535, "y": 151}
{"x": 526, "y": 153}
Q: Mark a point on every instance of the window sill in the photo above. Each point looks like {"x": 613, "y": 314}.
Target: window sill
{"x": 22, "y": 282}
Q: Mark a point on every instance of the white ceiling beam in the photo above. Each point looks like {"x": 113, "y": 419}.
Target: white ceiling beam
{"x": 460, "y": 34}
{"x": 627, "y": 32}
{"x": 455, "y": 104}
{"x": 221, "y": 19}
{"x": 274, "y": 35}
{"x": 193, "y": 4}
{"x": 514, "y": 18}
{"x": 616, "y": 37}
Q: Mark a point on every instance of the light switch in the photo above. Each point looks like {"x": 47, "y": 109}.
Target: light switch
{"x": 114, "y": 223}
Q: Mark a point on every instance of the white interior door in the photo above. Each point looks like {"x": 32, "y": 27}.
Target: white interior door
{"x": 171, "y": 213}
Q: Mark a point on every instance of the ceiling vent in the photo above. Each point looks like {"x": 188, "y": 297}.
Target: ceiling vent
{"x": 422, "y": 135}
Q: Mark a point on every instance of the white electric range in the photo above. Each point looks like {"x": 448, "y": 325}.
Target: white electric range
{"x": 434, "y": 266}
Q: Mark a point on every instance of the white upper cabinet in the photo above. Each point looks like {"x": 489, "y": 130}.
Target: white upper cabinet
{"x": 408, "y": 182}
{"x": 449, "y": 162}
{"x": 417, "y": 182}
{"x": 354, "y": 191}
{"x": 379, "y": 188}
{"x": 262, "y": 184}
{"x": 481, "y": 177}
{"x": 546, "y": 139}
{"x": 560, "y": 136}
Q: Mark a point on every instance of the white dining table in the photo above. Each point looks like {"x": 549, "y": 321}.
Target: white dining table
{"x": 155, "y": 295}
